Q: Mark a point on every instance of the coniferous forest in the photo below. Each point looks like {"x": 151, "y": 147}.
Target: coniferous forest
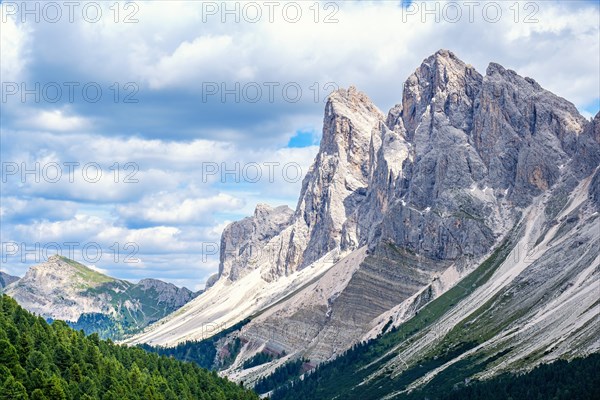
{"x": 577, "y": 379}
{"x": 41, "y": 361}
{"x": 201, "y": 352}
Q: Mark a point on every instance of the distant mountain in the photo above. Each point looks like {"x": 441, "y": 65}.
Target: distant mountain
{"x": 67, "y": 290}
{"x": 6, "y": 279}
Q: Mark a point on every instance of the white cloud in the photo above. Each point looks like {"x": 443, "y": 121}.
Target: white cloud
{"x": 13, "y": 42}
{"x": 173, "y": 209}
{"x": 201, "y": 56}
{"x": 55, "y": 120}
{"x": 170, "y": 208}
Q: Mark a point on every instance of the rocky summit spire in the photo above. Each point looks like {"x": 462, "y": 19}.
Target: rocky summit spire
{"x": 336, "y": 183}
{"x": 332, "y": 190}
{"x": 443, "y": 83}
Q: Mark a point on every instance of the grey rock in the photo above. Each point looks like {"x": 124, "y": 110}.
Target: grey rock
{"x": 6, "y": 279}
{"x": 244, "y": 242}
{"x": 446, "y": 175}
{"x": 166, "y": 293}
{"x": 211, "y": 281}
{"x": 595, "y": 190}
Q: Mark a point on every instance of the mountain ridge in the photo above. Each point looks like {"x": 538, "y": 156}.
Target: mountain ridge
{"x": 64, "y": 289}
{"x": 6, "y": 279}
{"x": 404, "y": 207}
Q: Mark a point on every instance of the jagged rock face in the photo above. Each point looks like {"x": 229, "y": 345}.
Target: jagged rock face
{"x": 6, "y": 279}
{"x": 389, "y": 151}
{"x": 244, "y": 242}
{"x": 64, "y": 289}
{"x": 523, "y": 133}
{"x": 587, "y": 151}
{"x": 337, "y": 182}
{"x": 413, "y": 201}
{"x": 595, "y": 190}
{"x": 442, "y": 84}
{"x": 334, "y": 187}
{"x": 166, "y": 293}
{"x": 482, "y": 147}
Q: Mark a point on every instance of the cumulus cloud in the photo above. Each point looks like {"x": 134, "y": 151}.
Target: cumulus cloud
{"x": 194, "y": 157}
{"x": 172, "y": 208}
{"x": 55, "y": 120}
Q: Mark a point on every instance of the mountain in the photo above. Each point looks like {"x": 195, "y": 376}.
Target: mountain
{"x": 42, "y": 361}
{"x": 276, "y": 252}
{"x": 67, "y": 290}
{"x": 456, "y": 237}
{"x": 6, "y": 279}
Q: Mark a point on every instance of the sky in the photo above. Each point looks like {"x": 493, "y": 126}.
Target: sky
{"x": 132, "y": 133}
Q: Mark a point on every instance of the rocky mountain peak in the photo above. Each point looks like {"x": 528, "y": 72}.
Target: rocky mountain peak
{"x": 166, "y": 292}
{"x": 280, "y": 241}
{"x": 66, "y": 270}
{"x": 336, "y": 183}
{"x": 442, "y": 84}
{"x": 348, "y": 121}
{"x": 277, "y": 215}
{"x": 242, "y": 242}
{"x": 495, "y": 69}
{"x": 49, "y": 288}
{"x": 54, "y": 258}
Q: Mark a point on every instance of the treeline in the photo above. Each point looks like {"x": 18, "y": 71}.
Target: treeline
{"x": 201, "y": 352}
{"x": 281, "y": 375}
{"x": 259, "y": 359}
{"x": 577, "y": 379}
{"x": 41, "y": 361}
{"x": 328, "y": 379}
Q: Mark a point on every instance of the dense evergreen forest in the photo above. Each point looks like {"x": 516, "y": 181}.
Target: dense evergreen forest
{"x": 201, "y": 352}
{"x": 286, "y": 372}
{"x": 41, "y": 361}
{"x": 577, "y": 379}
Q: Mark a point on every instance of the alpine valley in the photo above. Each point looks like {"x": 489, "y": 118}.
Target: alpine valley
{"x": 450, "y": 243}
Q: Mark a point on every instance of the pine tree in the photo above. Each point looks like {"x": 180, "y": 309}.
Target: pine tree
{"x": 54, "y": 389}
{"x": 13, "y": 390}
{"x": 38, "y": 395}
{"x": 8, "y": 354}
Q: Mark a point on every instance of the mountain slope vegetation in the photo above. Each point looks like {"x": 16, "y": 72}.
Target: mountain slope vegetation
{"x": 52, "y": 361}
{"x": 577, "y": 379}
